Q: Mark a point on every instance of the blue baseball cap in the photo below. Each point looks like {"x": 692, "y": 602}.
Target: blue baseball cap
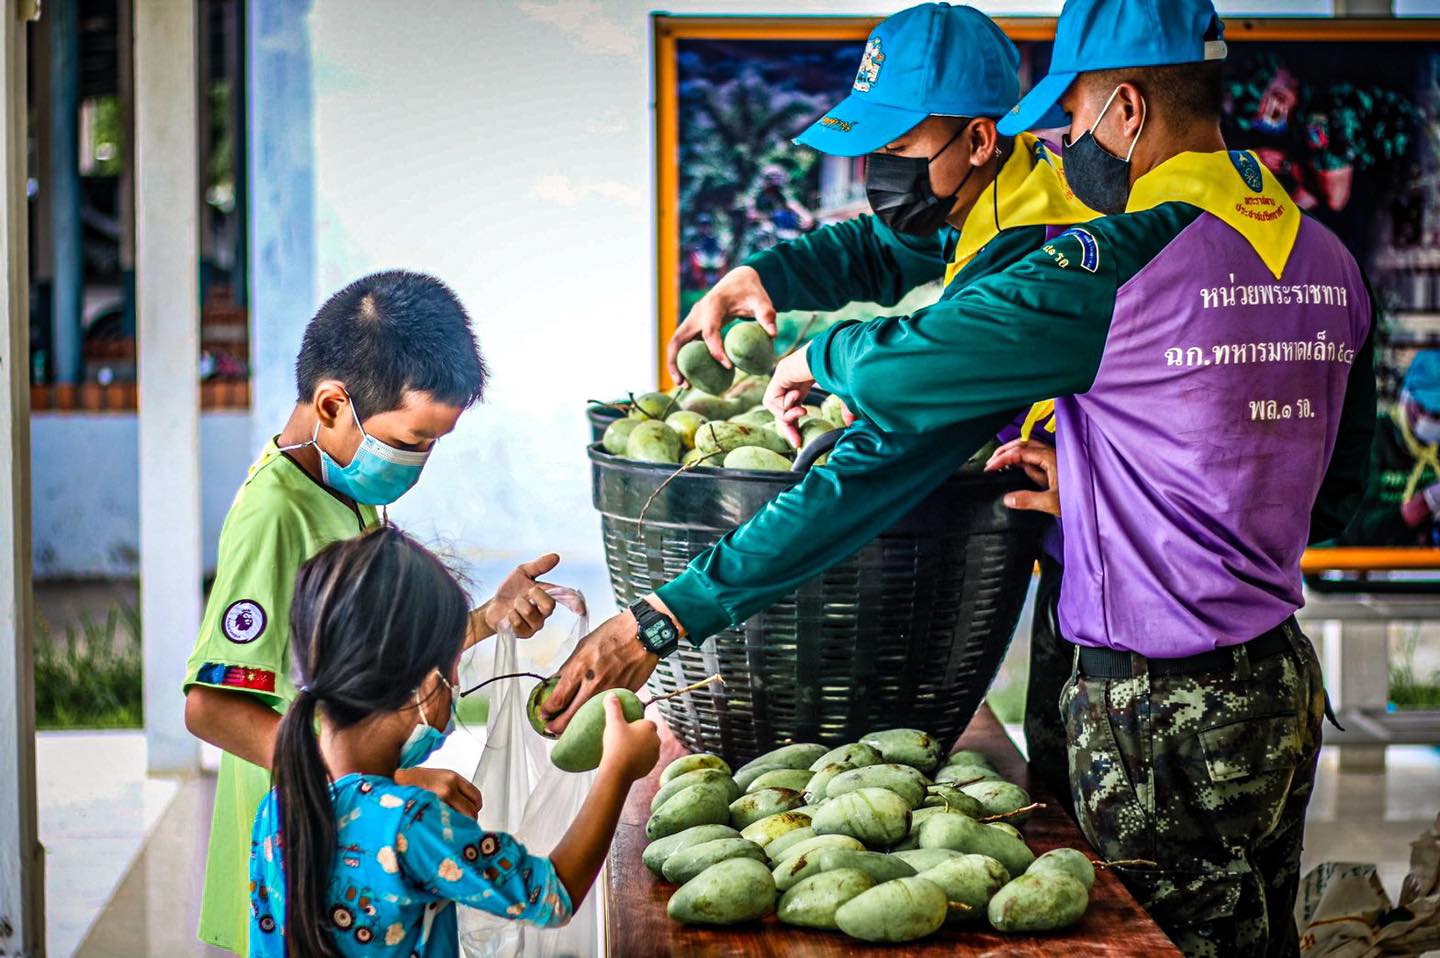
{"x": 933, "y": 59}
{"x": 1112, "y": 34}
{"x": 1422, "y": 379}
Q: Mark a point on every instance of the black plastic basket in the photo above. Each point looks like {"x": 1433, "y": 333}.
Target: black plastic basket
{"x": 909, "y": 631}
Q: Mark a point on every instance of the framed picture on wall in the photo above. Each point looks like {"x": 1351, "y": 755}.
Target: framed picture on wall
{"x": 1353, "y": 136}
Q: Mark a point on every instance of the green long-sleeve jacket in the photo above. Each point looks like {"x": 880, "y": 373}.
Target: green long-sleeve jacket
{"x": 873, "y": 477}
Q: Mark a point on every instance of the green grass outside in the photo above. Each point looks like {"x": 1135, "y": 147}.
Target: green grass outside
{"x": 89, "y": 675}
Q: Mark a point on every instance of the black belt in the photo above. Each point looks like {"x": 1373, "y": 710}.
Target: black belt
{"x": 1102, "y": 663}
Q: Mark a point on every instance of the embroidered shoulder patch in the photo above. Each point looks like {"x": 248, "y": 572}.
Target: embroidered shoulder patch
{"x": 870, "y": 63}
{"x": 1089, "y": 249}
{"x": 244, "y": 621}
{"x": 1248, "y": 169}
{"x": 236, "y": 677}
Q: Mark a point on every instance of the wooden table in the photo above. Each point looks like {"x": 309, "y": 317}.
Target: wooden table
{"x": 636, "y": 924}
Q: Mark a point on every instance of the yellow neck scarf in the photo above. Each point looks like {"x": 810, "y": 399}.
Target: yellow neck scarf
{"x": 1425, "y": 455}
{"x": 1030, "y": 190}
{"x": 1233, "y": 186}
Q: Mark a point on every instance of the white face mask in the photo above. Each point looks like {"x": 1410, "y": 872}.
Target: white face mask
{"x": 425, "y": 738}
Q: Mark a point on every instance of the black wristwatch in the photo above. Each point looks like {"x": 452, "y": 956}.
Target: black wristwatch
{"x": 657, "y": 632}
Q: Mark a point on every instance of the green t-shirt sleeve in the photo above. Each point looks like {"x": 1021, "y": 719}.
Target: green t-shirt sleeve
{"x": 871, "y": 480}
{"x": 855, "y": 260}
{"x": 244, "y": 636}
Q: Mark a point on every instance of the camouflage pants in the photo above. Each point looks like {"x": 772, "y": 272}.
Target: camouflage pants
{"x": 1208, "y": 775}
{"x": 1051, "y": 660}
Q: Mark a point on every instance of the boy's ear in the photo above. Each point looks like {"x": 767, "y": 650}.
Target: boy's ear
{"x": 329, "y": 402}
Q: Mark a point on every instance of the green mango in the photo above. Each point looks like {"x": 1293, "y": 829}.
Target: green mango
{"x": 903, "y": 909}
{"x": 766, "y": 830}
{"x": 877, "y": 865}
{"x": 923, "y": 859}
{"x": 538, "y": 695}
{"x": 1008, "y": 829}
{"x": 711, "y": 407}
{"x": 617, "y": 435}
{"x": 814, "y": 844}
{"x": 756, "y": 459}
{"x": 969, "y": 882}
{"x": 907, "y": 746}
{"x": 653, "y": 406}
{"x": 855, "y": 755}
{"x": 759, "y": 416}
{"x": 694, "y": 458}
{"x": 728, "y": 436}
{"x": 968, "y": 756}
{"x": 775, "y": 849}
{"x": 653, "y": 441}
{"x": 1042, "y": 901}
{"x": 1000, "y": 798}
{"x": 688, "y": 763}
{"x": 812, "y": 428}
{"x": 751, "y": 349}
{"x": 581, "y": 744}
{"x": 753, "y": 806}
{"x": 748, "y": 391}
{"x": 903, "y": 780}
{"x": 833, "y": 409}
{"x": 949, "y": 796}
{"x": 1069, "y": 861}
{"x": 701, "y": 370}
{"x": 684, "y": 423}
{"x": 876, "y": 816}
{"x": 662, "y": 848}
{"x": 791, "y": 778}
{"x": 799, "y": 755}
{"x": 910, "y": 842}
{"x": 820, "y": 781}
{"x": 964, "y": 834}
{"x": 966, "y": 775}
{"x": 812, "y": 902}
{"x": 726, "y": 893}
{"x": 695, "y": 777}
{"x": 919, "y": 815}
{"x": 687, "y": 863}
{"x": 748, "y": 773}
{"x": 693, "y": 805}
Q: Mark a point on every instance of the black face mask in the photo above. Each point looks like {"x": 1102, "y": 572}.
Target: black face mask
{"x": 1098, "y": 178}
{"x": 898, "y": 188}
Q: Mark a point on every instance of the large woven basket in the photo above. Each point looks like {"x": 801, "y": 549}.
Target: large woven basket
{"x": 909, "y": 631}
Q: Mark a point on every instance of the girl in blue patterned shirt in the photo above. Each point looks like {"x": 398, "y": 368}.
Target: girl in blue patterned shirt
{"x": 343, "y": 860}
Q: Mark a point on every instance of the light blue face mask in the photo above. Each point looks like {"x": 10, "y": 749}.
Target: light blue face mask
{"x": 377, "y": 474}
{"x": 425, "y": 738}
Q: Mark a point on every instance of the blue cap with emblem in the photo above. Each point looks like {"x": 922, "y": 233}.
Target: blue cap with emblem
{"x": 1422, "y": 379}
{"x": 933, "y": 59}
{"x": 1112, "y": 34}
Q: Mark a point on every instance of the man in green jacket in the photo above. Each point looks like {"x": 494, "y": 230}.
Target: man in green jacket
{"x": 936, "y": 166}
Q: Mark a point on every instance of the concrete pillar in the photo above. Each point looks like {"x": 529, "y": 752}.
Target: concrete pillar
{"x": 1364, "y": 683}
{"x": 1364, "y": 8}
{"x": 22, "y": 861}
{"x": 63, "y": 186}
{"x": 167, "y": 196}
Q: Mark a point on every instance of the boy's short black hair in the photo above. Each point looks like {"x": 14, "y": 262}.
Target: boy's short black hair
{"x": 390, "y": 332}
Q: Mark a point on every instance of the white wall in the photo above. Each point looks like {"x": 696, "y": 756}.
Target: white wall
{"x": 85, "y": 493}
{"x": 507, "y": 147}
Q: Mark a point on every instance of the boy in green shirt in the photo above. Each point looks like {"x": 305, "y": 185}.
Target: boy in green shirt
{"x": 385, "y": 369}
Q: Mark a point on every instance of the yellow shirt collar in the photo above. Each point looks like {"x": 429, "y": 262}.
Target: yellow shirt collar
{"x": 1030, "y": 190}
{"x": 1233, "y": 186}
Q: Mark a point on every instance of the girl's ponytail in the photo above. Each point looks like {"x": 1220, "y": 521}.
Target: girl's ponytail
{"x": 372, "y": 618}
{"x": 307, "y": 822}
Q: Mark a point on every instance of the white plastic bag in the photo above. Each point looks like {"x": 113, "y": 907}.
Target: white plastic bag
{"x": 528, "y": 797}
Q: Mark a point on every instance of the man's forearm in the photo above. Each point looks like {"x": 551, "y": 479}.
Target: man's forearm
{"x": 872, "y": 479}
{"x": 237, "y": 722}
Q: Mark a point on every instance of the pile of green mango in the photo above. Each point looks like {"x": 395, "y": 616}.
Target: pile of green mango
{"x": 718, "y": 421}
{"x": 883, "y": 840}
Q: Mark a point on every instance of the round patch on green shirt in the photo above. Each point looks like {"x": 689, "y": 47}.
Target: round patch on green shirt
{"x": 244, "y": 621}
